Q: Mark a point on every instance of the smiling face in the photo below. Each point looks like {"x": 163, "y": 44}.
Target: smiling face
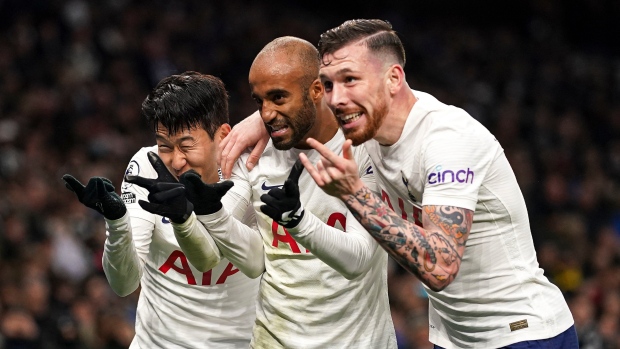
{"x": 284, "y": 104}
{"x": 356, "y": 90}
{"x": 190, "y": 149}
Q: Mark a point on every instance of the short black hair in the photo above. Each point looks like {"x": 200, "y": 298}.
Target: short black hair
{"x": 377, "y": 34}
{"x": 187, "y": 100}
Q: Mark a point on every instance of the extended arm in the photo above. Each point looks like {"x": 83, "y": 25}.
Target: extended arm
{"x": 349, "y": 253}
{"x": 123, "y": 258}
{"x": 226, "y": 215}
{"x": 433, "y": 252}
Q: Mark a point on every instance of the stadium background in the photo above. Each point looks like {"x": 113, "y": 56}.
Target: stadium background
{"x": 543, "y": 76}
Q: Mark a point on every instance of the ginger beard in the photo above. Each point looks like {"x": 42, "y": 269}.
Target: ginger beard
{"x": 368, "y": 129}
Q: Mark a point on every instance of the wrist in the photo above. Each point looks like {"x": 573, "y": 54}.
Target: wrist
{"x": 208, "y": 209}
{"x": 356, "y": 188}
{"x": 183, "y": 229}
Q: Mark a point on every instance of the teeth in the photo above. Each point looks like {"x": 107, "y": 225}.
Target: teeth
{"x": 350, "y": 117}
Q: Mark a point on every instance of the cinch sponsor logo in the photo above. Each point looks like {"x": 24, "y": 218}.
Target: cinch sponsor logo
{"x": 450, "y": 176}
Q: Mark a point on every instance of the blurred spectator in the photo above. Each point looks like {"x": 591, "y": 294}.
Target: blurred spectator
{"x": 543, "y": 76}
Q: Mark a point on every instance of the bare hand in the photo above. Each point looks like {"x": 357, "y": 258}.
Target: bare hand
{"x": 250, "y": 132}
{"x": 336, "y": 175}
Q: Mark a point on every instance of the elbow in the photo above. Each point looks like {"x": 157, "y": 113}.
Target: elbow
{"x": 437, "y": 287}
{"x": 254, "y": 273}
{"x": 251, "y": 270}
{"x": 122, "y": 292}
{"x": 352, "y": 274}
{"x": 205, "y": 264}
{"x": 440, "y": 281}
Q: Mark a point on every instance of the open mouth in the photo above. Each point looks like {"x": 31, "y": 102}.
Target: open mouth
{"x": 277, "y": 130}
{"x": 349, "y": 118}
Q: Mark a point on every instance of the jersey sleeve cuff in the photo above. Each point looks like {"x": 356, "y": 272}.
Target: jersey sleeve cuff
{"x": 118, "y": 226}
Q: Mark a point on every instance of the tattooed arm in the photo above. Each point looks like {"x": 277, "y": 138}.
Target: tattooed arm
{"x": 433, "y": 253}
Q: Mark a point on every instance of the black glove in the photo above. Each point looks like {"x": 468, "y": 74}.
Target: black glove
{"x": 282, "y": 204}
{"x": 166, "y": 194}
{"x": 99, "y": 195}
{"x": 205, "y": 197}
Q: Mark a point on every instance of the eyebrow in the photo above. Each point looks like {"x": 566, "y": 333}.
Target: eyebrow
{"x": 180, "y": 140}
{"x": 277, "y": 91}
{"x": 338, "y": 72}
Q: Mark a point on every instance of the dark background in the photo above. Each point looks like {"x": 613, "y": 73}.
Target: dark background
{"x": 543, "y": 76}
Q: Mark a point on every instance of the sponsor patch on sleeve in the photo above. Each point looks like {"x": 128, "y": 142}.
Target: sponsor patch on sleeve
{"x": 133, "y": 169}
{"x": 518, "y": 325}
{"x": 128, "y": 198}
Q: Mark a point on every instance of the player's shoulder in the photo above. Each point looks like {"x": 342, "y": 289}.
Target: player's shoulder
{"x": 139, "y": 164}
{"x": 445, "y": 118}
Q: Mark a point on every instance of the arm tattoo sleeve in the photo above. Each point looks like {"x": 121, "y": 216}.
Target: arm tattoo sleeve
{"x": 433, "y": 253}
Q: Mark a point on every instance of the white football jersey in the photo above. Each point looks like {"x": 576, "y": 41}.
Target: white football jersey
{"x": 500, "y": 295}
{"x": 303, "y": 302}
{"x": 178, "y": 307}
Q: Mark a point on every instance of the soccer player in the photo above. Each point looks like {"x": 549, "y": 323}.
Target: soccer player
{"x": 325, "y": 279}
{"x": 190, "y": 297}
{"x": 451, "y": 211}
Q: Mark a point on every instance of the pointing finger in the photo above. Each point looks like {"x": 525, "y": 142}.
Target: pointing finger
{"x": 296, "y": 171}
{"x": 314, "y": 173}
{"x": 324, "y": 151}
{"x": 145, "y": 183}
{"x": 162, "y": 171}
{"x": 73, "y": 184}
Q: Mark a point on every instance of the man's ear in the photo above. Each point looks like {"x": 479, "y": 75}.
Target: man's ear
{"x": 316, "y": 90}
{"x": 395, "y": 78}
{"x": 222, "y": 132}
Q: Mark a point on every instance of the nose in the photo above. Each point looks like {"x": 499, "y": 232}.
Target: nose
{"x": 336, "y": 97}
{"x": 268, "y": 112}
{"x": 178, "y": 161}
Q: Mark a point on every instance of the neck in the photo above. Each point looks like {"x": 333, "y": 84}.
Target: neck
{"x": 324, "y": 128}
{"x": 394, "y": 122}
{"x": 213, "y": 177}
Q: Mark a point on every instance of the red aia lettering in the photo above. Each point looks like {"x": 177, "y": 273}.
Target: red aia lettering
{"x": 183, "y": 269}
{"x": 187, "y": 271}
{"x": 417, "y": 215}
{"x": 286, "y": 238}
{"x": 417, "y": 212}
{"x": 230, "y": 270}
{"x": 386, "y": 198}
{"x": 337, "y": 217}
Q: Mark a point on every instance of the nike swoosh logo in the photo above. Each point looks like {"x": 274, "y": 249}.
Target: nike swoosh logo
{"x": 165, "y": 220}
{"x": 369, "y": 170}
{"x": 268, "y": 187}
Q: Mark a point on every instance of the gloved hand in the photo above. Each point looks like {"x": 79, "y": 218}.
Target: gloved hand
{"x": 166, "y": 195}
{"x": 282, "y": 204}
{"x": 99, "y": 195}
{"x": 205, "y": 197}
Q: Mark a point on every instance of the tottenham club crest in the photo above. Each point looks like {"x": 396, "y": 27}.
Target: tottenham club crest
{"x": 406, "y": 183}
{"x": 133, "y": 170}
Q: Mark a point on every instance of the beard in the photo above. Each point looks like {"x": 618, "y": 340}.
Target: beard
{"x": 300, "y": 124}
{"x": 369, "y": 130}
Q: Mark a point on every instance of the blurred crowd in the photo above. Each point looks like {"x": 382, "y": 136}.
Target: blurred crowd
{"x": 73, "y": 74}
